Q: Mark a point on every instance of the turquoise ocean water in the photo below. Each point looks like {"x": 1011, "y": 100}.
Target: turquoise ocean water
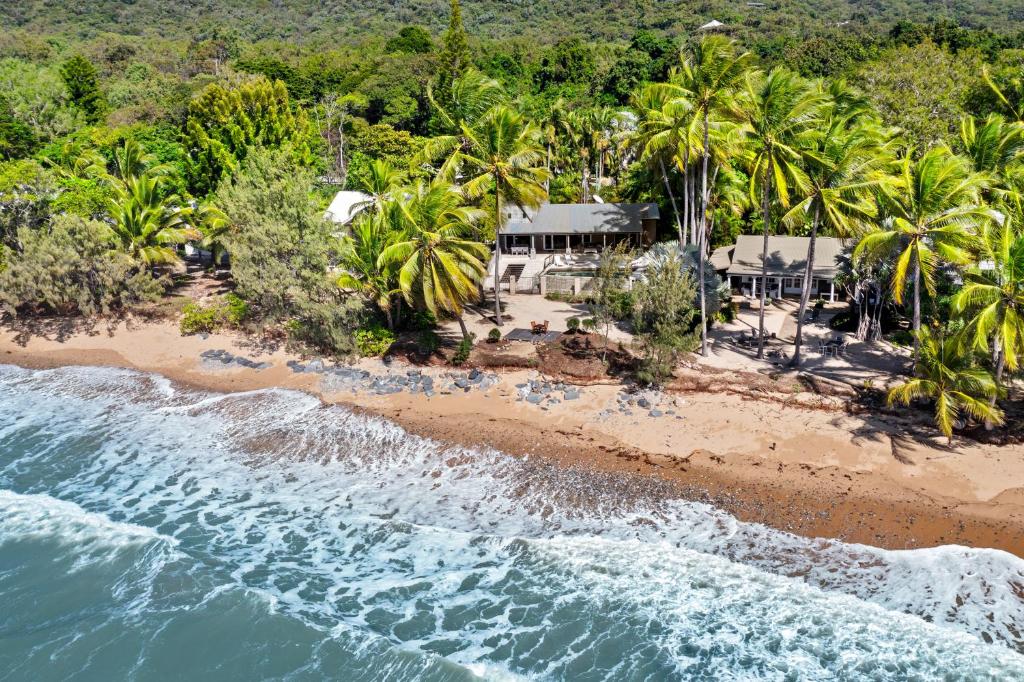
{"x": 151, "y": 532}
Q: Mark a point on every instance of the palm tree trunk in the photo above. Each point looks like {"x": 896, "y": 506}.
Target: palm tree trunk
{"x": 390, "y": 319}
{"x": 497, "y": 258}
{"x": 462, "y": 325}
{"x": 672, "y": 198}
{"x": 917, "y": 303}
{"x": 766, "y": 192}
{"x": 805, "y": 294}
{"x": 701, "y": 248}
{"x": 999, "y": 361}
{"x": 686, "y": 197}
{"x": 547, "y": 165}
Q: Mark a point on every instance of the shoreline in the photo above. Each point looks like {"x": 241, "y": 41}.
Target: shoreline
{"x": 808, "y": 471}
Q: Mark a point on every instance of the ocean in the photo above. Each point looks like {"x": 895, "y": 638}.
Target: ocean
{"x": 154, "y": 532}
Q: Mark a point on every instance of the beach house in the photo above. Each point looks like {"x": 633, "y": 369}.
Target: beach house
{"x": 787, "y": 265}
{"x": 568, "y": 236}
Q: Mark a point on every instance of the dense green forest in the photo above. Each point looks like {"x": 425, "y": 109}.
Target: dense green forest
{"x": 128, "y": 130}
{"x": 544, "y": 20}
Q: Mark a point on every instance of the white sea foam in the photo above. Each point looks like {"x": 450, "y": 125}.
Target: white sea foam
{"x": 24, "y": 517}
{"x": 506, "y": 566}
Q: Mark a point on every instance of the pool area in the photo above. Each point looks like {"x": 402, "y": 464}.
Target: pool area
{"x": 570, "y": 272}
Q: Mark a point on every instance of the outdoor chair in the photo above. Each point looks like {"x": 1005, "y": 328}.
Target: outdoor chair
{"x": 539, "y": 327}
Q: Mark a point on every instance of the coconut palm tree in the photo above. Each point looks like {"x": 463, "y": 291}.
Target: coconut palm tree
{"x": 779, "y": 110}
{"x": 711, "y": 74}
{"x": 501, "y": 153}
{"x": 946, "y": 376}
{"x": 842, "y": 162}
{"x": 1013, "y": 109}
{"x": 993, "y": 292}
{"x": 930, "y": 208}
{"x": 472, "y": 95}
{"x": 665, "y": 136}
{"x": 438, "y": 269}
{"x": 359, "y": 258}
{"x": 995, "y": 148}
{"x": 381, "y": 182}
{"x": 146, "y": 224}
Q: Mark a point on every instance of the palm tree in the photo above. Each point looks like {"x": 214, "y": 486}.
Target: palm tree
{"x": 710, "y": 75}
{"x": 665, "y": 134}
{"x": 930, "y": 207}
{"x": 994, "y": 292}
{"x": 995, "y": 147}
{"x": 778, "y": 110}
{"x": 1016, "y": 110}
{"x": 501, "y": 153}
{"x": 381, "y": 182}
{"x": 842, "y": 163}
{"x": 359, "y": 258}
{"x": 472, "y": 95}
{"x": 438, "y": 269}
{"x": 945, "y": 375}
{"x": 146, "y": 224}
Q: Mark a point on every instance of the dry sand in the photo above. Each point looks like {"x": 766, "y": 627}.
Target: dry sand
{"x": 815, "y": 472}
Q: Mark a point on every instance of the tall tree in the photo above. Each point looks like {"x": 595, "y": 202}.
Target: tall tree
{"x": 438, "y": 267}
{"x": 501, "y": 153}
{"x": 83, "y": 84}
{"x": 665, "y": 135}
{"x": 993, "y": 292}
{"x": 455, "y": 57}
{"x": 842, "y": 161}
{"x": 224, "y": 124}
{"x": 778, "y": 111}
{"x": 711, "y": 73}
{"x": 929, "y": 208}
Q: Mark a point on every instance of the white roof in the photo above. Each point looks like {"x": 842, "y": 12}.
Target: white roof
{"x": 346, "y": 204}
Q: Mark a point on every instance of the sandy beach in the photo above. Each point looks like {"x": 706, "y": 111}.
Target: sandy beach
{"x": 806, "y": 466}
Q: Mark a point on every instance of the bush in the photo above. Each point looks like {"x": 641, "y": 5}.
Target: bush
{"x": 463, "y": 351}
{"x": 494, "y": 335}
{"x": 590, "y": 324}
{"x": 69, "y": 267}
{"x": 622, "y": 305}
{"x": 572, "y": 325}
{"x": 374, "y": 342}
{"x": 819, "y": 304}
{"x": 198, "y": 319}
{"x": 728, "y": 312}
{"x": 236, "y": 310}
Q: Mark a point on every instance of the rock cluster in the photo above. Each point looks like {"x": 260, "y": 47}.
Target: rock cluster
{"x": 221, "y": 359}
{"x": 541, "y": 392}
{"x": 653, "y": 403}
{"x": 341, "y": 378}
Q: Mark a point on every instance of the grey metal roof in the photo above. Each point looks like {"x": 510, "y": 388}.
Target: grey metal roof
{"x": 581, "y": 219}
{"x": 787, "y": 256}
{"x": 721, "y": 258}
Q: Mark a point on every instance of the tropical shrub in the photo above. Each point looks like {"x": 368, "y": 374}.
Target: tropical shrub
{"x": 494, "y": 335}
{"x": 374, "y": 342}
{"x": 464, "y": 349}
{"x": 199, "y": 319}
{"x": 572, "y": 325}
{"x": 236, "y": 310}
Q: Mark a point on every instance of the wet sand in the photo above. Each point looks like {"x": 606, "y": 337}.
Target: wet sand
{"x": 815, "y": 472}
